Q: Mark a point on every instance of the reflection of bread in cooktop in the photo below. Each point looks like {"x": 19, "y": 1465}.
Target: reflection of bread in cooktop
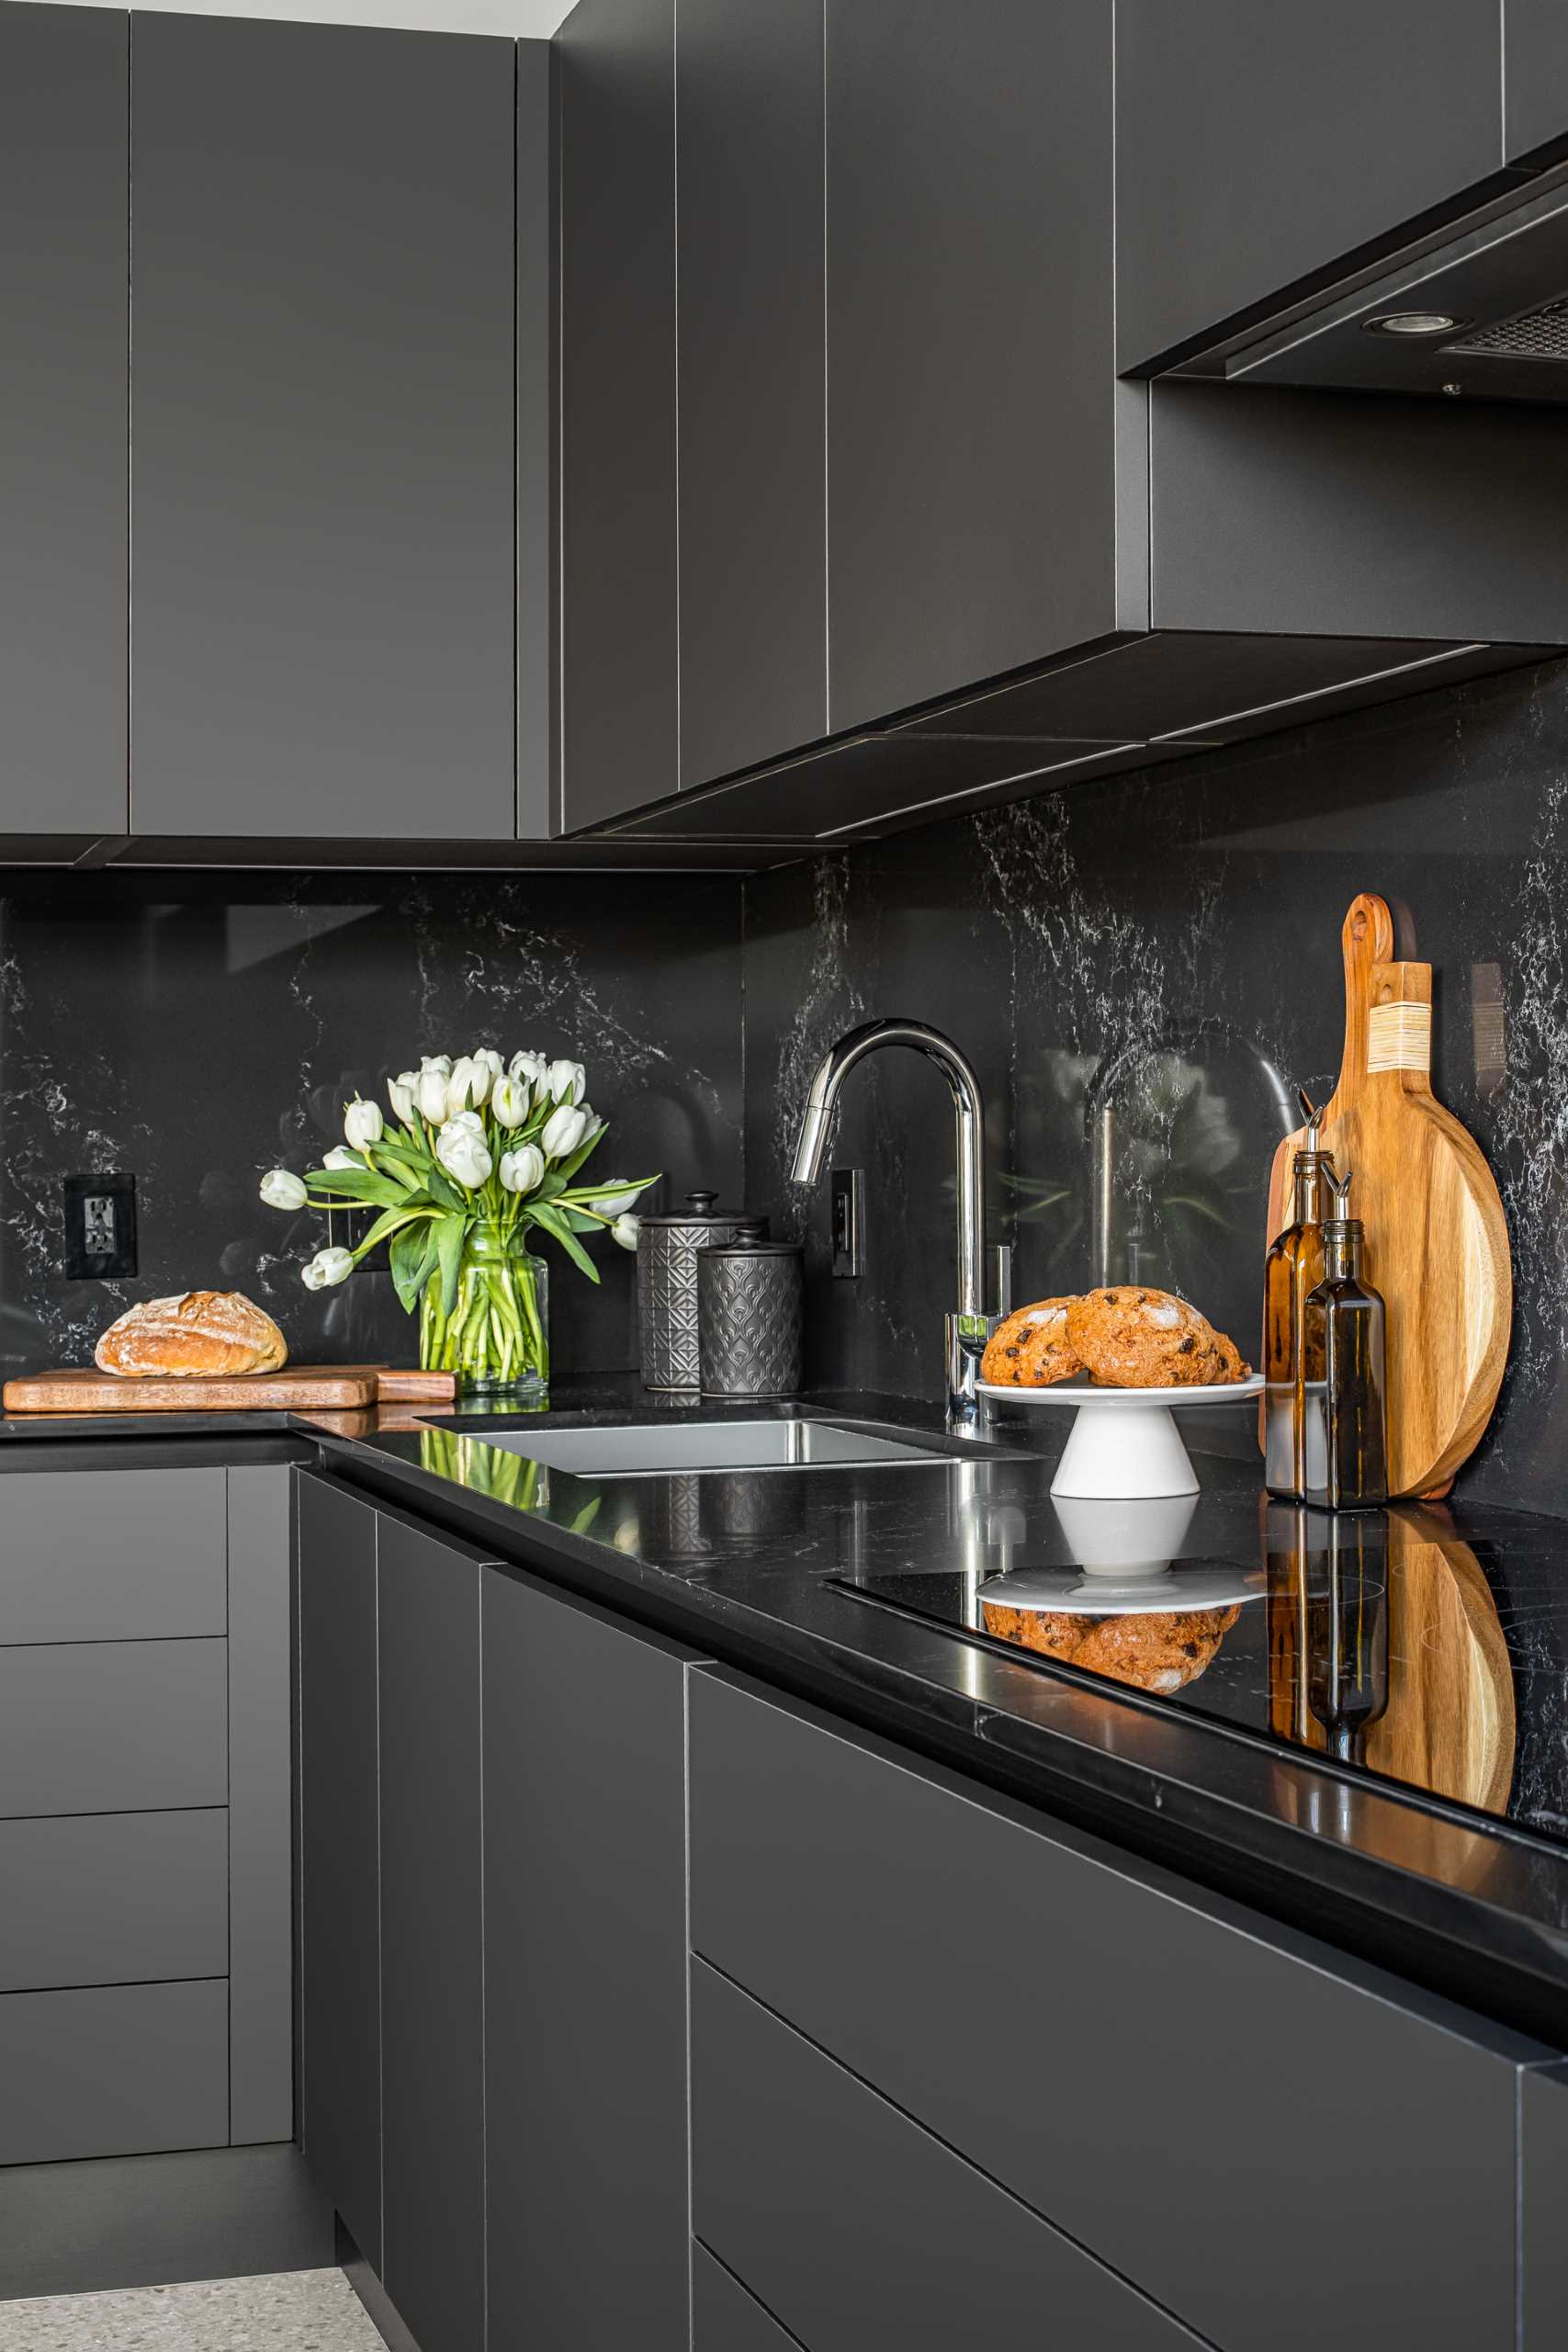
{"x": 1161, "y": 1652}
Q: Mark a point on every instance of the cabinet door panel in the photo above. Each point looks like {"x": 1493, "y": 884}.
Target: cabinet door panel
{"x": 725, "y": 2318}
{"x": 850, "y": 1888}
{"x": 1258, "y": 141}
{"x": 620, "y": 655}
{"x": 859, "y": 2228}
{"x": 752, "y": 519}
{"x": 113, "y": 1898}
{"x": 585, "y": 1936}
{"x": 432, "y": 1977}
{"x": 122, "y": 2070}
{"x": 113, "y": 1556}
{"x": 1543, "y": 2183}
{"x": 64, "y": 225}
{"x": 971, "y": 459}
{"x": 340, "y": 2004}
{"x": 1535, "y": 74}
{"x": 113, "y": 1727}
{"x": 322, "y": 430}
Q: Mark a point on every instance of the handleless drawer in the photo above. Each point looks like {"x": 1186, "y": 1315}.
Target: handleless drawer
{"x": 116, "y": 1898}
{"x": 855, "y": 2227}
{"x": 123, "y": 2069}
{"x": 725, "y": 2318}
{"x": 113, "y": 1727}
{"x": 1131, "y": 2056}
{"x": 107, "y": 1556}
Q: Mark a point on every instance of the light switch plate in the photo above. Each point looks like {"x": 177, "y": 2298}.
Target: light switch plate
{"x": 848, "y": 1192}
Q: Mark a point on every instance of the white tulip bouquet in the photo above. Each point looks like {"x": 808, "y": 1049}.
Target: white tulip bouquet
{"x": 477, "y": 1153}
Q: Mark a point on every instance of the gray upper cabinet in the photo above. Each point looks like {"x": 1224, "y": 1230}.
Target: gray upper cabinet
{"x": 64, "y": 225}
{"x": 971, "y": 430}
{"x": 322, "y": 430}
{"x": 536, "y": 547}
{"x": 619, "y": 589}
{"x": 1535, "y": 74}
{"x": 1259, "y": 142}
{"x": 752, "y": 361}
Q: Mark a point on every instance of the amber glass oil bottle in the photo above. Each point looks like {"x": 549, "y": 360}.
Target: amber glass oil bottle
{"x": 1293, "y": 1267}
{"x": 1343, "y": 1361}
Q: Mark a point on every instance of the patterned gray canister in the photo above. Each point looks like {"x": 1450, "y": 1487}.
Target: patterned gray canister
{"x": 751, "y": 1318}
{"x": 667, "y": 1285}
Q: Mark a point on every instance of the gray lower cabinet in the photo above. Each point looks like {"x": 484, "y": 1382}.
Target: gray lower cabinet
{"x": 1258, "y": 143}
{"x": 585, "y": 1969}
{"x": 116, "y": 2070}
{"x": 146, "y": 1959}
{"x": 1129, "y": 2058}
{"x": 64, "y": 225}
{"x": 114, "y": 1556}
{"x": 340, "y": 1971}
{"x": 856, "y": 2227}
{"x": 322, "y": 430}
{"x": 433, "y": 1994}
{"x": 1543, "y": 2249}
{"x": 114, "y": 1898}
{"x": 726, "y": 2316}
{"x": 113, "y": 1726}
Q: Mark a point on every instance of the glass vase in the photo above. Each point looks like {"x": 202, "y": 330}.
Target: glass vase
{"x": 495, "y": 1340}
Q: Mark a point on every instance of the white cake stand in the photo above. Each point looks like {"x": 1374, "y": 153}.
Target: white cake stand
{"x": 1123, "y": 1444}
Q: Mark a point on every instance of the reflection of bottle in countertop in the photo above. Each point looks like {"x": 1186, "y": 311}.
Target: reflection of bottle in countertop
{"x": 1346, "y": 1459}
{"x": 1292, "y": 1267}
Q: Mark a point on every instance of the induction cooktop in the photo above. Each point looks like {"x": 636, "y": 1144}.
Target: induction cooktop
{"x": 1387, "y": 1642}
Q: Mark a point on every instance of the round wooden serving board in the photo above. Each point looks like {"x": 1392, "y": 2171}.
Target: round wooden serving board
{"x": 1437, "y": 1239}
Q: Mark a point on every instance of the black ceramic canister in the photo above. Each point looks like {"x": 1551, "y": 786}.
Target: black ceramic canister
{"x": 752, "y": 1317}
{"x": 667, "y": 1285}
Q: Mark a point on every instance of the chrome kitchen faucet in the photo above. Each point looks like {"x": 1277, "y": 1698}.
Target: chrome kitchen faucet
{"x": 966, "y": 1330}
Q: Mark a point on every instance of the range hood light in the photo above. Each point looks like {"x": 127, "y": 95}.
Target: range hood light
{"x": 1415, "y": 322}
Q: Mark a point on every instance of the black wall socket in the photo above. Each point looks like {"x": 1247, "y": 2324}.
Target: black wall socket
{"x": 100, "y": 1226}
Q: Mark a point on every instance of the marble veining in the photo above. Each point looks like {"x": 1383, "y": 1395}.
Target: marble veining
{"x": 196, "y": 1032}
{"x": 1144, "y": 969}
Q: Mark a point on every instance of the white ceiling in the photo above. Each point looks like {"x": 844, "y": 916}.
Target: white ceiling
{"x": 517, "y": 18}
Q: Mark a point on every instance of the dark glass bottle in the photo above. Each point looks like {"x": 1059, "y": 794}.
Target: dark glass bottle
{"x": 1292, "y": 1267}
{"x": 1343, "y": 1425}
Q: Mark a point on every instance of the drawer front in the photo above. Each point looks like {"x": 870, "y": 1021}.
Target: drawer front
{"x": 858, "y": 2228}
{"x": 113, "y": 1899}
{"x": 1155, "y": 2059}
{"x": 725, "y": 2318}
{"x": 110, "y": 1556}
{"x": 122, "y": 2070}
{"x": 113, "y": 1727}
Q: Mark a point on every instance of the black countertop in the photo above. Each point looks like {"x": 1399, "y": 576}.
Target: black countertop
{"x": 1370, "y": 1739}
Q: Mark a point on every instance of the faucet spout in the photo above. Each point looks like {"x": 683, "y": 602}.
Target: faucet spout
{"x": 970, "y": 1148}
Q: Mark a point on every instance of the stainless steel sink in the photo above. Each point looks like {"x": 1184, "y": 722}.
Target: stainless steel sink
{"x": 716, "y": 1445}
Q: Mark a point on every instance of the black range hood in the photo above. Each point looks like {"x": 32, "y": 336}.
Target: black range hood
{"x": 1476, "y": 310}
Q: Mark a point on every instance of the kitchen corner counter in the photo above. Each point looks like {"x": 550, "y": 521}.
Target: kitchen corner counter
{"x": 831, "y": 1584}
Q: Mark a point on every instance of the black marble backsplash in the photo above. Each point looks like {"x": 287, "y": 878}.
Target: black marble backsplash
{"x": 197, "y": 1030}
{"x": 1142, "y": 971}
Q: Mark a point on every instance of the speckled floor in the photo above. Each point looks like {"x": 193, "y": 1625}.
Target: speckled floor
{"x": 296, "y": 2311}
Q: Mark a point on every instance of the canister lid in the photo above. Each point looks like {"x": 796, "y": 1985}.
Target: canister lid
{"x": 743, "y": 1247}
{"x": 702, "y": 1209}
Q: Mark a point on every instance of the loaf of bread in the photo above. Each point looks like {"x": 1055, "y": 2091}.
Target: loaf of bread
{"x": 1131, "y": 1336}
{"x": 202, "y": 1335}
{"x": 1030, "y": 1350}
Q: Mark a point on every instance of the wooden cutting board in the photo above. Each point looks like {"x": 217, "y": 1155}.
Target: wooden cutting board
{"x": 300, "y": 1387}
{"x": 1436, "y": 1239}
